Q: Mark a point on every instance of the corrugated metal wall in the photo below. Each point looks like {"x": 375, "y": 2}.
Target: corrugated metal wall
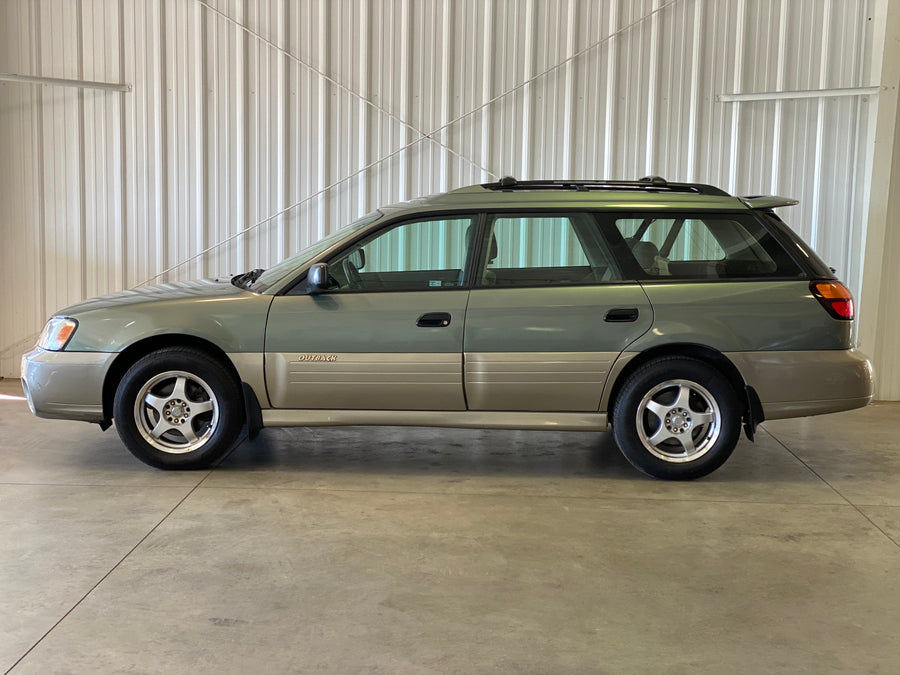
{"x": 287, "y": 119}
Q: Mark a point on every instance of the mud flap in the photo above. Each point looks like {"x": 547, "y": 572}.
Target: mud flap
{"x": 753, "y": 415}
{"x": 252, "y": 411}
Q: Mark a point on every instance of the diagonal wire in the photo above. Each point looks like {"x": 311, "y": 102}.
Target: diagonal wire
{"x": 328, "y": 78}
{"x": 15, "y": 347}
{"x": 249, "y": 229}
{"x": 406, "y": 147}
{"x": 559, "y": 65}
{"x": 325, "y": 76}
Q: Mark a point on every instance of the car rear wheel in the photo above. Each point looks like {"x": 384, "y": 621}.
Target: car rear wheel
{"x": 676, "y": 418}
{"x": 178, "y": 408}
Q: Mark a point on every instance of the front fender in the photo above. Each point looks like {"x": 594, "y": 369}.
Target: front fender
{"x": 235, "y": 324}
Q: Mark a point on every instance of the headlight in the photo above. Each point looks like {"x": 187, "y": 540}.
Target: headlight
{"x": 57, "y": 333}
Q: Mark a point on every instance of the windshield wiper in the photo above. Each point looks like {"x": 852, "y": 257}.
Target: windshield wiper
{"x": 246, "y": 279}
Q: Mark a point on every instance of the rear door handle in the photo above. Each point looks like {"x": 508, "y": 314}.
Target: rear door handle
{"x": 433, "y": 320}
{"x": 621, "y": 315}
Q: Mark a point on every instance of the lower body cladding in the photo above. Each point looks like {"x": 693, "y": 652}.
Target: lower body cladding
{"x": 65, "y": 385}
{"x": 69, "y": 385}
{"x": 788, "y": 383}
{"x": 800, "y": 383}
{"x": 463, "y": 419}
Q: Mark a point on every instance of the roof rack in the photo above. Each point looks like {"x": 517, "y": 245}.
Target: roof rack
{"x": 646, "y": 184}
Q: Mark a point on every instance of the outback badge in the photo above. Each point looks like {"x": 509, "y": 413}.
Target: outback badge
{"x": 316, "y": 357}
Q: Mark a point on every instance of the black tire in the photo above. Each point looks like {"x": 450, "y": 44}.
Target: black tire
{"x": 682, "y": 442}
{"x": 178, "y": 408}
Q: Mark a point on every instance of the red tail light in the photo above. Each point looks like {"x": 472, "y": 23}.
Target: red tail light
{"x": 834, "y": 297}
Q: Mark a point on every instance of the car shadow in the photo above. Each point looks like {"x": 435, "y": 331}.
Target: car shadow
{"x": 420, "y": 450}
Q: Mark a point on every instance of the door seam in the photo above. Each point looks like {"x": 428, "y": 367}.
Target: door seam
{"x": 462, "y": 354}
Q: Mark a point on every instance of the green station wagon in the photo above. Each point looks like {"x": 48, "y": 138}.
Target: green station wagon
{"x": 673, "y": 313}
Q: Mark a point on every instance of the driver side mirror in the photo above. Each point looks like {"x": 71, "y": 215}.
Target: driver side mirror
{"x": 317, "y": 278}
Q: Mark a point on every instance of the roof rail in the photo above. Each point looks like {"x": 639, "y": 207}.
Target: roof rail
{"x": 646, "y": 184}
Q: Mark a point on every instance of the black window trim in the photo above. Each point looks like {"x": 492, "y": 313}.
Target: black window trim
{"x": 810, "y": 261}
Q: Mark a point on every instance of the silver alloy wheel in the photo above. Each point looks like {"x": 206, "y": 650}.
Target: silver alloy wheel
{"x": 176, "y": 412}
{"x": 678, "y": 421}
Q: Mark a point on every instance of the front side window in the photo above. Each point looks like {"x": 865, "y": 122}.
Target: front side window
{"x": 414, "y": 255}
{"x": 708, "y": 247}
{"x": 277, "y": 272}
{"x": 545, "y": 250}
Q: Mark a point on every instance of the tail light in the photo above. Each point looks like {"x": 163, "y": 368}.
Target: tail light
{"x": 835, "y": 298}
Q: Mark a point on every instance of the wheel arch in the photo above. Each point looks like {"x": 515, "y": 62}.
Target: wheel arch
{"x": 712, "y": 357}
{"x": 136, "y": 351}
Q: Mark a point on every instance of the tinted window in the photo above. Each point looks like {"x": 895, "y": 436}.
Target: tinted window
{"x": 414, "y": 255}
{"x": 791, "y": 239}
{"x": 695, "y": 241}
{"x": 541, "y": 250}
{"x": 285, "y": 267}
{"x": 713, "y": 247}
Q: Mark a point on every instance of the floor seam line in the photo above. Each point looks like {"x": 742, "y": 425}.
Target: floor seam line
{"x": 108, "y": 573}
{"x": 269, "y": 488}
{"x": 122, "y": 486}
{"x": 835, "y": 490}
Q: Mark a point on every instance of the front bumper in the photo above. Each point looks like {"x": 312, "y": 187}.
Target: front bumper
{"x": 65, "y": 385}
{"x": 802, "y": 383}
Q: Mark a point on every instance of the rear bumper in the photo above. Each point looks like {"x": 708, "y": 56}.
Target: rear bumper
{"x": 802, "y": 383}
{"x": 65, "y": 385}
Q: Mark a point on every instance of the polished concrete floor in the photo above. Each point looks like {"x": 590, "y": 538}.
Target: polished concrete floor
{"x": 420, "y": 550}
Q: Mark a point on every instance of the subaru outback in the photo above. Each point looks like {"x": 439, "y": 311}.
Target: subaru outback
{"x": 673, "y": 313}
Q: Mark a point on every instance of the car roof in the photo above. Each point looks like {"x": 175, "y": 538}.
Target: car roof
{"x": 649, "y": 194}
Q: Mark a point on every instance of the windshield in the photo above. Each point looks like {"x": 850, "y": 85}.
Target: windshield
{"x": 266, "y": 279}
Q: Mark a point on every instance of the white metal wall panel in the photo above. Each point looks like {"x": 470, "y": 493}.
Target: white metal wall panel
{"x": 303, "y": 116}
{"x": 22, "y": 303}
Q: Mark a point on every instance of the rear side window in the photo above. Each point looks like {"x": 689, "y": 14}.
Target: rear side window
{"x": 708, "y": 247}
{"x": 545, "y": 250}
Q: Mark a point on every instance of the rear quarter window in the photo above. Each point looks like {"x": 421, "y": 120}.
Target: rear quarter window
{"x": 685, "y": 246}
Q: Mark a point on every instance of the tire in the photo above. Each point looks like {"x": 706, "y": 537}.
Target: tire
{"x": 676, "y": 418}
{"x": 178, "y": 408}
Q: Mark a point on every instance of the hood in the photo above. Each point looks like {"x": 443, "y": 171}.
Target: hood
{"x": 206, "y": 288}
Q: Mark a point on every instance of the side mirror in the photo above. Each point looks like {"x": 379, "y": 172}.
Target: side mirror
{"x": 317, "y": 278}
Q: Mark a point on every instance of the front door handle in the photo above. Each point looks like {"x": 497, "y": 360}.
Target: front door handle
{"x": 621, "y": 315}
{"x": 433, "y": 320}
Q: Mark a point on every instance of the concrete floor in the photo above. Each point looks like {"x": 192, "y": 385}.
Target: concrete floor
{"x": 421, "y": 550}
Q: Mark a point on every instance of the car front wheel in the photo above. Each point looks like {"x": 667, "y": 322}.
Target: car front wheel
{"x": 676, "y": 418}
{"x": 178, "y": 408}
